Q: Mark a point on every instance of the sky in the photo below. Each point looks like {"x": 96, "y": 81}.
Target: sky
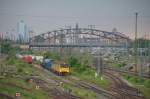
{"x": 48, "y": 15}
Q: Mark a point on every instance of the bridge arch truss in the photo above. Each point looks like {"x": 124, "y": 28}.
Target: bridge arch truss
{"x": 81, "y": 37}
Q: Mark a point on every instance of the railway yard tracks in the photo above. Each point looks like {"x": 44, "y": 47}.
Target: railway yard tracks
{"x": 118, "y": 89}
{"x": 5, "y": 96}
{"x": 121, "y": 88}
{"x": 76, "y": 83}
{"x": 125, "y": 71}
{"x": 56, "y": 93}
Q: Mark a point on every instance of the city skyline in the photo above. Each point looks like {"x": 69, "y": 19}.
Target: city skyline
{"x": 48, "y": 15}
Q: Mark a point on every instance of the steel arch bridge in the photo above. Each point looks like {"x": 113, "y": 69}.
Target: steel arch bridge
{"x": 79, "y": 37}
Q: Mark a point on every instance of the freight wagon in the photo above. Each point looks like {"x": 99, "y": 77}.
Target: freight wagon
{"x": 27, "y": 58}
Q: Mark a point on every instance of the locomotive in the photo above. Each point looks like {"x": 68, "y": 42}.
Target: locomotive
{"x": 58, "y": 67}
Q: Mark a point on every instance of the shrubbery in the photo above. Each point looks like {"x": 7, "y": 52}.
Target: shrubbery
{"x": 138, "y": 80}
{"x": 121, "y": 64}
{"x": 77, "y": 65}
{"x": 147, "y": 83}
{"x": 80, "y": 61}
{"x": 73, "y": 61}
{"x": 5, "y": 47}
{"x": 52, "y": 55}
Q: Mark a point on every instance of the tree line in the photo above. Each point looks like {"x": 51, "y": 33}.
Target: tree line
{"x": 140, "y": 43}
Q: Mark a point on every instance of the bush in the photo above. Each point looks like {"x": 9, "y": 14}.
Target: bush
{"x": 5, "y": 47}
{"x": 133, "y": 79}
{"x": 20, "y": 70}
{"x": 140, "y": 80}
{"x": 11, "y": 61}
{"x": 81, "y": 68}
{"x": 126, "y": 76}
{"x": 51, "y": 55}
{"x": 147, "y": 83}
{"x": 73, "y": 61}
{"x": 121, "y": 64}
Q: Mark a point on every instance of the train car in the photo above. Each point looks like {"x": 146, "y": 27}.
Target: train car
{"x": 47, "y": 63}
{"x": 19, "y": 56}
{"x": 39, "y": 58}
{"x": 33, "y": 57}
{"x": 60, "y": 68}
{"x": 27, "y": 58}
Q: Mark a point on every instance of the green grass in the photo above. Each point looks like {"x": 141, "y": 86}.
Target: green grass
{"x": 25, "y": 94}
{"x": 146, "y": 91}
{"x": 116, "y": 64}
{"x": 81, "y": 92}
{"x": 89, "y": 76}
{"x": 22, "y": 68}
{"x": 16, "y": 81}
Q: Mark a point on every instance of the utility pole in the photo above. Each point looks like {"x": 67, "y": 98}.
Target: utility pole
{"x": 0, "y": 49}
{"x": 30, "y": 37}
{"x": 149, "y": 53}
{"x": 135, "y": 42}
{"x": 61, "y": 44}
{"x": 0, "y": 43}
{"x": 99, "y": 66}
{"x": 91, "y": 27}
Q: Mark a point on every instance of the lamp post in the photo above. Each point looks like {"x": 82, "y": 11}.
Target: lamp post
{"x": 135, "y": 42}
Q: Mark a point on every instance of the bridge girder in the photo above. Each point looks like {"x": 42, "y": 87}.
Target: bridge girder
{"x": 74, "y": 33}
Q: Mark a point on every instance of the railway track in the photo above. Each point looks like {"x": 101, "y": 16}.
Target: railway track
{"x": 56, "y": 93}
{"x": 77, "y": 83}
{"x": 61, "y": 95}
{"x": 5, "y": 96}
{"x": 106, "y": 93}
{"x": 125, "y": 71}
{"x": 50, "y": 79}
{"x": 121, "y": 88}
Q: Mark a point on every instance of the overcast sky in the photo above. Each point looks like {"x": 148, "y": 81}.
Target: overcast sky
{"x": 47, "y": 15}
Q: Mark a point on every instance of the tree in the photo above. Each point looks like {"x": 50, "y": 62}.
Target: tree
{"x": 6, "y": 47}
{"x": 73, "y": 61}
{"x": 141, "y": 43}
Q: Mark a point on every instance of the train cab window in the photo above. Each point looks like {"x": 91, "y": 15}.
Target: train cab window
{"x": 64, "y": 65}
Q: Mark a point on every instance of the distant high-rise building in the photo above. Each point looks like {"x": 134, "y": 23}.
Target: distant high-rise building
{"x": 22, "y": 32}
